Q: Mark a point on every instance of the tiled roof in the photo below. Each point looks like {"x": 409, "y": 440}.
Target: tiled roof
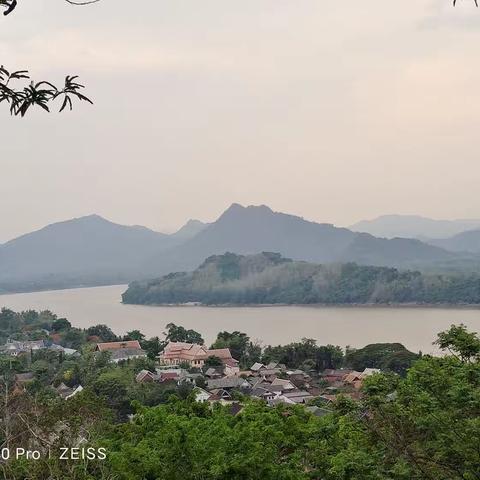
{"x": 191, "y": 352}
{"x": 226, "y": 382}
{"x": 122, "y": 353}
{"x": 108, "y": 346}
{"x": 169, "y": 376}
{"x": 256, "y": 366}
{"x": 283, "y": 383}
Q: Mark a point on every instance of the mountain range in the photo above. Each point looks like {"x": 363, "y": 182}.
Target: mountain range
{"x": 414, "y": 226}
{"x": 92, "y": 250}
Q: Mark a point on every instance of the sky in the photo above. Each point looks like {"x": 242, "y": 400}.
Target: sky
{"x": 334, "y": 111}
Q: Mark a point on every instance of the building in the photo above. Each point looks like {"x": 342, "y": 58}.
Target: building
{"x": 15, "y": 347}
{"x": 201, "y": 395}
{"x": 68, "y": 392}
{"x": 228, "y": 383}
{"x": 122, "y": 351}
{"x": 178, "y": 353}
{"x": 109, "y": 346}
{"x": 18, "y": 347}
{"x": 145, "y": 376}
{"x": 297, "y": 396}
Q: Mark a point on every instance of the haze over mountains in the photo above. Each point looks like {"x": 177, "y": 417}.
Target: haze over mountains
{"x": 87, "y": 250}
{"x": 91, "y": 250}
{"x": 414, "y": 226}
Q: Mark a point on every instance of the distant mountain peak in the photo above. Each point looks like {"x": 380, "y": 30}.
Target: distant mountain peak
{"x": 190, "y": 229}
{"x": 414, "y": 226}
{"x": 238, "y": 209}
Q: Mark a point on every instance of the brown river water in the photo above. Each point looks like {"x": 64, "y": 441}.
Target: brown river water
{"x": 415, "y": 327}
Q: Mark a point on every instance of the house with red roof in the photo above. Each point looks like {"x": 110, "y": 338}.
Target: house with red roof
{"x": 122, "y": 351}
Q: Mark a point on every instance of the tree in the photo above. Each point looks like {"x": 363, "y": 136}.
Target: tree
{"x": 236, "y": 341}
{"x": 73, "y": 338}
{"x": 180, "y": 334}
{"x": 386, "y": 356}
{"x": 112, "y": 386}
{"x": 213, "y": 361}
{"x": 427, "y": 423}
{"x": 40, "y": 94}
{"x": 295, "y": 355}
{"x": 153, "y": 347}
{"x": 460, "y": 343}
{"x": 134, "y": 335}
{"x": 103, "y": 332}
{"x": 61, "y": 324}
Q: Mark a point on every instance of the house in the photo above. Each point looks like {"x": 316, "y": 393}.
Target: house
{"x": 109, "y": 346}
{"x": 145, "y": 376}
{"x": 298, "y": 396}
{"x": 76, "y": 390}
{"x": 67, "y": 392}
{"x": 370, "y": 371}
{"x": 299, "y": 378}
{"x": 231, "y": 367}
{"x": 220, "y": 395}
{"x": 284, "y": 384}
{"x": 354, "y": 379}
{"x": 15, "y": 347}
{"x": 335, "y": 376}
{"x": 191, "y": 378}
{"x": 121, "y": 351}
{"x": 201, "y": 395}
{"x": 269, "y": 372}
{"x": 263, "y": 394}
{"x": 213, "y": 373}
{"x": 66, "y": 351}
{"x": 124, "y": 354}
{"x": 228, "y": 383}
{"x": 168, "y": 377}
{"x": 177, "y": 353}
{"x": 257, "y": 366}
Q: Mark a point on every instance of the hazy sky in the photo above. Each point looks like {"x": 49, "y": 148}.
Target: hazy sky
{"x": 336, "y": 111}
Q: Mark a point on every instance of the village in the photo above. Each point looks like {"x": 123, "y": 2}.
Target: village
{"x": 217, "y": 377}
{"x": 213, "y": 374}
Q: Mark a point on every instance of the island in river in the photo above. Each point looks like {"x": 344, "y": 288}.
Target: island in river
{"x": 270, "y": 279}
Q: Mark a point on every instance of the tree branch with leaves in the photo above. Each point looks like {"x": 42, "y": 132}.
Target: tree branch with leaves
{"x": 40, "y": 94}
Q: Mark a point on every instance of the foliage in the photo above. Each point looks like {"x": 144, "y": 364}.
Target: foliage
{"x": 420, "y": 426}
{"x": 460, "y": 342}
{"x": 40, "y": 94}
{"x": 294, "y": 355}
{"x": 61, "y": 324}
{"x": 103, "y": 332}
{"x": 241, "y": 348}
{"x": 176, "y": 333}
{"x": 213, "y": 361}
{"x": 268, "y": 278}
{"x": 385, "y": 356}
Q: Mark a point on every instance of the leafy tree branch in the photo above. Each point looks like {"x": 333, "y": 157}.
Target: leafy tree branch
{"x": 41, "y": 94}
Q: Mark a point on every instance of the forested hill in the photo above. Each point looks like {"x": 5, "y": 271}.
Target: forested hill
{"x": 268, "y": 278}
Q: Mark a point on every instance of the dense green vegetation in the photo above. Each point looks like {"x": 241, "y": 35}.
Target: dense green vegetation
{"x": 422, "y": 424}
{"x": 268, "y": 278}
{"x": 392, "y": 357}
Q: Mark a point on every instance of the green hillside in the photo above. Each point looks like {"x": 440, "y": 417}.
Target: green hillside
{"x": 268, "y": 278}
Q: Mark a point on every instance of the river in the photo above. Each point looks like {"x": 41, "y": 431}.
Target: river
{"x": 415, "y": 327}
